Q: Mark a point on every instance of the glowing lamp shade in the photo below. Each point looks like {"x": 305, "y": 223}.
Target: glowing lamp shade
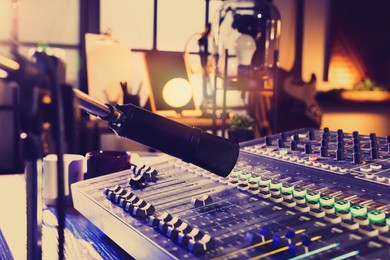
{"x": 177, "y": 92}
{"x": 245, "y": 47}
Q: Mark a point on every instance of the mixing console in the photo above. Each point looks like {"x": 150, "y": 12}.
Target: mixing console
{"x": 303, "y": 194}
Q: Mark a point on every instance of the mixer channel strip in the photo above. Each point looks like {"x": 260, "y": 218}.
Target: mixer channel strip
{"x": 269, "y": 207}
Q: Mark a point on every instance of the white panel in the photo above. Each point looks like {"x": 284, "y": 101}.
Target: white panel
{"x": 177, "y": 21}
{"x": 6, "y": 9}
{"x": 54, "y": 21}
{"x": 131, "y": 22}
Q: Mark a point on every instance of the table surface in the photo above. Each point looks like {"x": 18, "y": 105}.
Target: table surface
{"x": 83, "y": 240}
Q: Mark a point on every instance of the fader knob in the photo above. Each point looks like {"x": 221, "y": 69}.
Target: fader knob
{"x": 340, "y": 133}
{"x": 356, "y": 141}
{"x": 324, "y": 151}
{"x": 355, "y": 134}
{"x": 308, "y": 149}
{"x": 280, "y": 143}
{"x": 372, "y": 136}
{"x": 357, "y": 159}
{"x": 324, "y": 143}
{"x": 387, "y": 139}
{"x": 268, "y": 140}
{"x": 326, "y": 130}
{"x": 374, "y": 153}
{"x": 312, "y": 135}
{"x": 293, "y": 146}
{"x": 339, "y": 155}
{"x": 296, "y": 138}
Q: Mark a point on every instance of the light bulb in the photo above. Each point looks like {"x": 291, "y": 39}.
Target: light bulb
{"x": 245, "y": 47}
{"x": 177, "y": 92}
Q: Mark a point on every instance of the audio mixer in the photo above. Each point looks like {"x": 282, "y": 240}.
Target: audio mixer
{"x": 302, "y": 194}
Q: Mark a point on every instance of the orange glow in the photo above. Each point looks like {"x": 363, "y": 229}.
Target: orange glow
{"x": 363, "y": 96}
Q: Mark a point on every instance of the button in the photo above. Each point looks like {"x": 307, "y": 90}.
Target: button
{"x": 287, "y": 195}
{"x": 326, "y": 200}
{"x": 263, "y": 187}
{"x": 342, "y": 205}
{"x": 313, "y": 196}
{"x": 302, "y": 208}
{"x": 289, "y": 203}
{"x": 287, "y": 188}
{"x": 253, "y": 190}
{"x": 318, "y": 213}
{"x": 349, "y": 224}
{"x": 376, "y": 216}
{"x": 264, "y": 194}
{"x": 328, "y": 209}
{"x": 362, "y": 220}
{"x": 380, "y": 226}
{"x": 368, "y": 231}
{"x": 358, "y": 210}
{"x": 332, "y": 218}
{"x": 300, "y": 199}
{"x": 313, "y": 204}
{"x": 298, "y": 192}
{"x": 344, "y": 214}
{"x": 274, "y": 191}
{"x": 243, "y": 186}
{"x": 276, "y": 198}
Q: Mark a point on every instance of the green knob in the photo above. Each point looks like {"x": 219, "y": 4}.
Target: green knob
{"x": 376, "y": 216}
{"x": 358, "y": 210}
{"x": 326, "y": 201}
{"x": 313, "y": 196}
{"x": 298, "y": 192}
{"x": 342, "y": 205}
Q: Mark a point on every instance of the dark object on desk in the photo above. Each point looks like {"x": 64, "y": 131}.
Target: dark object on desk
{"x": 296, "y": 104}
{"x": 103, "y": 162}
{"x": 130, "y": 98}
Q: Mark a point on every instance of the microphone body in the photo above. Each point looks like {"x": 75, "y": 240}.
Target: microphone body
{"x": 192, "y": 145}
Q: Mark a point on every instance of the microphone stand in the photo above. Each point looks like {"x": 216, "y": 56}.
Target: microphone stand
{"x": 36, "y": 80}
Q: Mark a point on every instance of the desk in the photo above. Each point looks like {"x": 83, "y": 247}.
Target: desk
{"x": 83, "y": 239}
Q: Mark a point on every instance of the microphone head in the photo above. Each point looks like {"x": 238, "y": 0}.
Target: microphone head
{"x": 216, "y": 154}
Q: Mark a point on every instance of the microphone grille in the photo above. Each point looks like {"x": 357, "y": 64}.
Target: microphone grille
{"x": 216, "y": 154}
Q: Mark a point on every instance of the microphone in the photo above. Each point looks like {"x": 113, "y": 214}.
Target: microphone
{"x": 191, "y": 144}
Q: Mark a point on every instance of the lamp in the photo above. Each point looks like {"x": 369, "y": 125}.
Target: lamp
{"x": 245, "y": 48}
{"x": 246, "y": 34}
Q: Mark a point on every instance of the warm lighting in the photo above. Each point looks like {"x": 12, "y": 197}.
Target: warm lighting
{"x": 8, "y": 63}
{"x": 3, "y": 74}
{"x": 177, "y": 92}
{"x": 366, "y": 96}
{"x": 245, "y": 48}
